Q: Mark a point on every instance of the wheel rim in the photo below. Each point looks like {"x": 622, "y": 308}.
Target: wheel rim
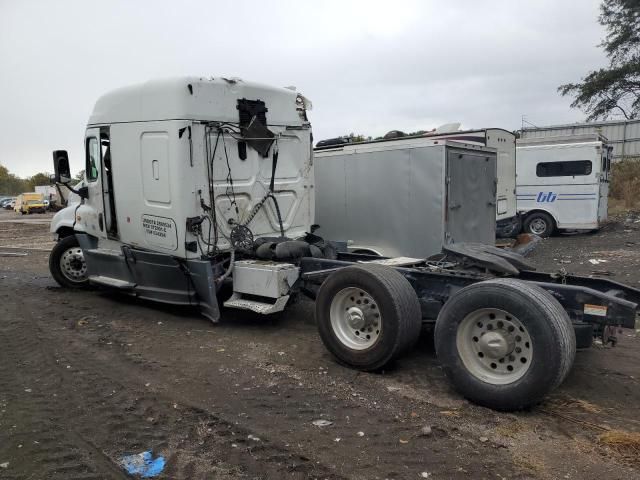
{"x": 494, "y": 346}
{"x": 538, "y": 226}
{"x": 73, "y": 265}
{"x": 355, "y": 318}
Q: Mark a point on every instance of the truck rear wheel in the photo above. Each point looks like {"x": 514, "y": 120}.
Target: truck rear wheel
{"x": 504, "y": 343}
{"x": 367, "y": 315}
{"x": 540, "y": 223}
{"x": 67, "y": 263}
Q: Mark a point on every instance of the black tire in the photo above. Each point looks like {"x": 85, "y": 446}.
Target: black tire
{"x": 397, "y": 303}
{"x": 553, "y": 342}
{"x": 540, "y": 223}
{"x": 55, "y": 256}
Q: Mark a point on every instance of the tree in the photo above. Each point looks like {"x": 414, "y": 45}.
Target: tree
{"x": 38, "y": 179}
{"x": 615, "y": 89}
{"x": 10, "y": 184}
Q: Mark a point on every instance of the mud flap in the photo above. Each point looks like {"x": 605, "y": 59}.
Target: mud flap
{"x": 203, "y": 280}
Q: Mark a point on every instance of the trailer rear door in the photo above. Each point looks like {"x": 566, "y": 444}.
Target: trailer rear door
{"x": 471, "y": 197}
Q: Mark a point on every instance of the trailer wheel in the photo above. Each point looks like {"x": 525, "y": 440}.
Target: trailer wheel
{"x": 540, "y": 223}
{"x": 367, "y": 315}
{"x": 67, "y": 263}
{"x": 505, "y": 343}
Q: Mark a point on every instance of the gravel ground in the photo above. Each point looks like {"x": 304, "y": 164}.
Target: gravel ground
{"x": 88, "y": 377}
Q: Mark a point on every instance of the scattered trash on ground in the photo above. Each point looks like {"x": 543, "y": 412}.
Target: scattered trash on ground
{"x": 4, "y": 465}
{"x": 322, "y": 423}
{"x": 143, "y": 464}
{"x": 603, "y": 273}
{"x": 596, "y": 261}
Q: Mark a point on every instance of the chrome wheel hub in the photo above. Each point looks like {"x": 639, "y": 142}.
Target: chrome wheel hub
{"x": 494, "y": 346}
{"x": 538, "y": 226}
{"x": 355, "y": 318}
{"x": 73, "y": 265}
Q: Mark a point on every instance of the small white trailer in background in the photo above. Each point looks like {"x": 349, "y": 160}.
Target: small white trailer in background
{"x": 563, "y": 182}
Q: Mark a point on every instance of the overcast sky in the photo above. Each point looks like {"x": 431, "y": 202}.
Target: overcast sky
{"x": 368, "y": 66}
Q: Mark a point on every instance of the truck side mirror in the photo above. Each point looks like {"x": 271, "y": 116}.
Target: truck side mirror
{"x": 61, "y": 166}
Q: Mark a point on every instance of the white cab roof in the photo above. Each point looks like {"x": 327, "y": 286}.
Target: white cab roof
{"x": 193, "y": 98}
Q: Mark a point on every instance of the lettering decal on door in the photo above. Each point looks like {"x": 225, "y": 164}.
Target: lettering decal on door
{"x": 548, "y": 197}
{"x": 160, "y": 231}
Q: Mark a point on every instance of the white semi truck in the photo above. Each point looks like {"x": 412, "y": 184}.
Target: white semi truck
{"x": 192, "y": 183}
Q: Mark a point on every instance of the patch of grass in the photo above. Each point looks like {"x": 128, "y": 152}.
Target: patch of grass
{"x": 574, "y": 403}
{"x": 625, "y": 182}
{"x": 511, "y": 429}
{"x": 625, "y": 443}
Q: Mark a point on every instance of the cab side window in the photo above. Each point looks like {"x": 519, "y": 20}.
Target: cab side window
{"x": 93, "y": 159}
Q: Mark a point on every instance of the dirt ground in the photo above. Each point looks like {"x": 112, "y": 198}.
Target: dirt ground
{"x": 88, "y": 377}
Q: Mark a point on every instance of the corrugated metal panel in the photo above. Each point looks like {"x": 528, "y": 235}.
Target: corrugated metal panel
{"x": 624, "y": 136}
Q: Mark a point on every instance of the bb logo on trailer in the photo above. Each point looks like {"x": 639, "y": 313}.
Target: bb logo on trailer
{"x": 549, "y": 197}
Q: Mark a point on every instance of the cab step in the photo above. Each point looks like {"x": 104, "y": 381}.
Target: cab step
{"x": 111, "y": 282}
{"x": 237, "y": 300}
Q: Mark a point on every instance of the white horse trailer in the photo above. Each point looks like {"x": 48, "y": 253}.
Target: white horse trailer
{"x": 563, "y": 182}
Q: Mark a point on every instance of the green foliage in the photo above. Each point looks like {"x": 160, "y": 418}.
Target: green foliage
{"x": 616, "y": 88}
{"x": 11, "y": 184}
{"x": 38, "y": 179}
{"x": 625, "y": 181}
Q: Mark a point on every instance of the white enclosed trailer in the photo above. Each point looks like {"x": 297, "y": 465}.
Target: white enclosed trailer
{"x": 194, "y": 181}
{"x": 563, "y": 182}
{"x": 430, "y": 193}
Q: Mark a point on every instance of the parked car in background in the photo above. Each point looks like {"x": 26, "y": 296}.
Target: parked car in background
{"x": 8, "y": 203}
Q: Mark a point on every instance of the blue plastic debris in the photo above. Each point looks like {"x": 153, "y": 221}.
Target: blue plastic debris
{"x": 143, "y": 464}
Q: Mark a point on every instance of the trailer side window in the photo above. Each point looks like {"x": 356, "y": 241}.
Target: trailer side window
{"x": 93, "y": 159}
{"x": 564, "y": 169}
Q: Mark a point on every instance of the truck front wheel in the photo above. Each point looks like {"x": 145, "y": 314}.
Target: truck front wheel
{"x": 367, "y": 315}
{"x": 504, "y": 343}
{"x": 67, "y": 263}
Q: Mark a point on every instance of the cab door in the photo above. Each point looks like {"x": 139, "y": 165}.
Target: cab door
{"x": 91, "y": 213}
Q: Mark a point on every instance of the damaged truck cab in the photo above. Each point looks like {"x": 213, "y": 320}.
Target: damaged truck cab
{"x": 181, "y": 170}
{"x": 194, "y": 183}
